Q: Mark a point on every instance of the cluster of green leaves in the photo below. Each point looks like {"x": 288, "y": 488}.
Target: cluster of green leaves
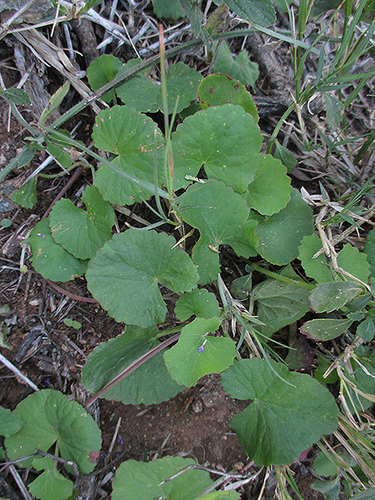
{"x": 232, "y": 195}
{"x": 42, "y": 420}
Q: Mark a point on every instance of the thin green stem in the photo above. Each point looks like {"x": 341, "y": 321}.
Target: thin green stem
{"x": 285, "y": 279}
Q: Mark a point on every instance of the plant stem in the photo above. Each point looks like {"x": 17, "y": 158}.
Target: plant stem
{"x": 285, "y": 279}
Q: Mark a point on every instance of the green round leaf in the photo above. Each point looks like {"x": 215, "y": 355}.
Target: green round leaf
{"x": 51, "y": 485}
{"x": 145, "y": 95}
{"x": 354, "y": 262}
{"x": 200, "y": 302}
{"x": 270, "y": 190}
{"x": 289, "y": 411}
{"x": 46, "y": 417}
{"x": 124, "y": 275}
{"x": 9, "y": 423}
{"x": 280, "y": 235}
{"x": 149, "y": 384}
{"x": 221, "y": 215}
{"x": 197, "y": 353}
{"x": 5, "y": 223}
{"x": 129, "y": 136}
{"x": 142, "y": 480}
{"x": 224, "y": 139}
{"x": 102, "y": 71}
{"x": 317, "y": 268}
{"x": 215, "y": 90}
{"x": 82, "y": 232}
{"x": 25, "y": 196}
{"x": 50, "y": 259}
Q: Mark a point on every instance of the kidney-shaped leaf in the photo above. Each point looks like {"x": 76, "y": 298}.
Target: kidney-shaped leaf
{"x": 46, "y": 417}
{"x": 270, "y": 190}
{"x": 145, "y": 95}
{"x": 9, "y": 423}
{"x": 49, "y": 258}
{"x": 225, "y": 139}
{"x": 280, "y": 235}
{"x": 149, "y": 384}
{"x": 221, "y": 215}
{"x": 124, "y": 275}
{"x": 101, "y": 71}
{"x": 215, "y": 90}
{"x": 51, "y": 485}
{"x": 200, "y": 302}
{"x": 142, "y": 480}
{"x": 284, "y": 419}
{"x": 197, "y": 353}
{"x": 317, "y": 268}
{"x": 129, "y": 136}
{"x": 82, "y": 232}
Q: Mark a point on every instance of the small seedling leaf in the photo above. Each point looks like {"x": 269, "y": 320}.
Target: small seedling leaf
{"x": 325, "y": 329}
{"x": 216, "y": 90}
{"x": 82, "y": 232}
{"x": 225, "y": 139}
{"x": 330, "y": 489}
{"x": 9, "y": 422}
{"x": 221, "y": 215}
{"x": 197, "y": 353}
{"x": 200, "y": 302}
{"x": 49, "y": 258}
{"x": 60, "y": 154}
{"x": 286, "y": 157}
{"x": 334, "y": 109}
{"x": 142, "y": 480}
{"x": 129, "y": 136}
{"x": 46, "y": 417}
{"x": 71, "y": 323}
{"x": 51, "y": 485}
{"x": 54, "y": 103}
{"x": 280, "y": 234}
{"x": 317, "y": 268}
{"x": 328, "y": 297}
{"x": 241, "y": 69}
{"x": 278, "y": 303}
{"x": 284, "y": 419}
{"x": 124, "y": 275}
{"x": 149, "y": 384}
{"x": 270, "y": 190}
{"x": 145, "y": 95}
{"x": 102, "y": 71}
{"x": 18, "y": 97}
{"x": 25, "y": 196}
